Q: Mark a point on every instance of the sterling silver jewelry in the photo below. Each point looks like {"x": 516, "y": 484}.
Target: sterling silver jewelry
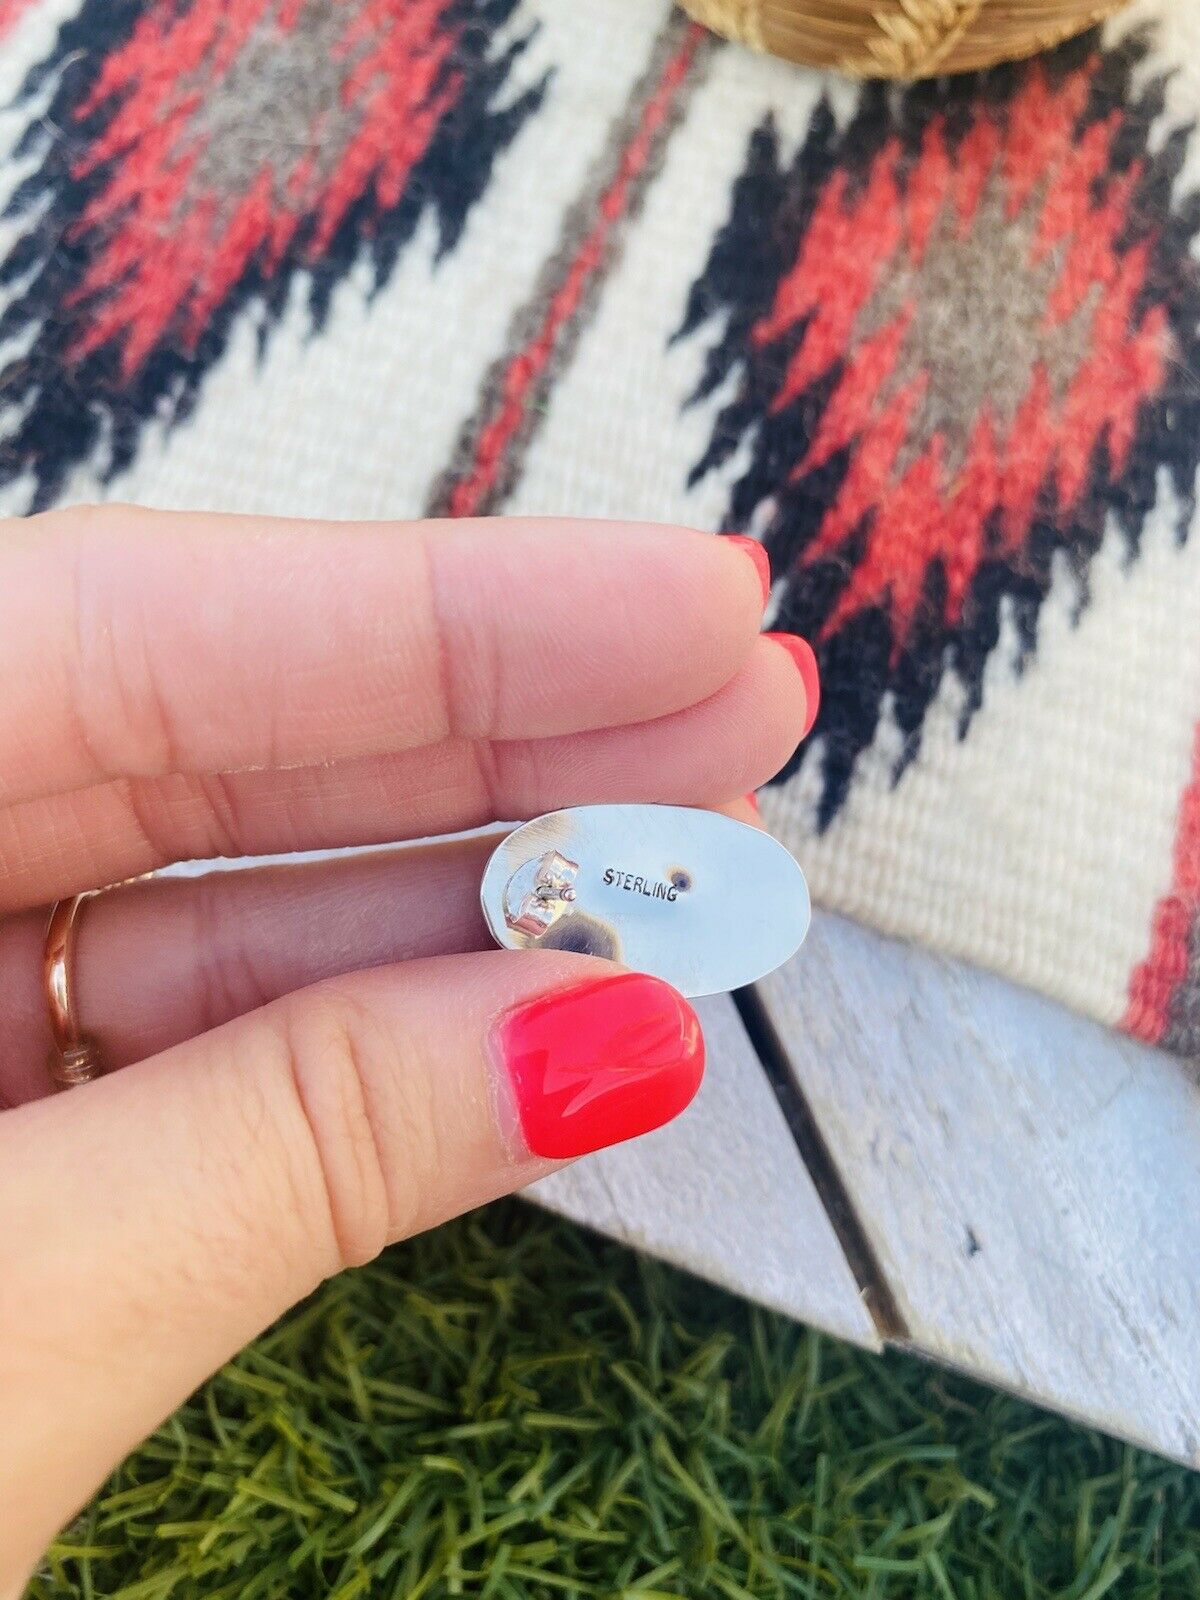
{"x": 690, "y": 896}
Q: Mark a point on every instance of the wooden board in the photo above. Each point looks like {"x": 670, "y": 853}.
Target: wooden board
{"x": 1028, "y": 1182}
{"x": 723, "y": 1192}
{"x": 964, "y": 1169}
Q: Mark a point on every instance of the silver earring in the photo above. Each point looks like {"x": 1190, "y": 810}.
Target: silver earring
{"x": 690, "y": 896}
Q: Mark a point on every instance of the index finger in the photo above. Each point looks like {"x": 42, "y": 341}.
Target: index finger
{"x": 139, "y": 643}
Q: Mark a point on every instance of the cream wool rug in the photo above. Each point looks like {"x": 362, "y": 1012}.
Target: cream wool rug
{"x": 935, "y": 346}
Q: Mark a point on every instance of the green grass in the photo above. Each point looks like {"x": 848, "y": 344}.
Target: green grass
{"x": 512, "y": 1408}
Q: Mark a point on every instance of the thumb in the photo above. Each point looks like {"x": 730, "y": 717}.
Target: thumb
{"x": 153, "y": 1222}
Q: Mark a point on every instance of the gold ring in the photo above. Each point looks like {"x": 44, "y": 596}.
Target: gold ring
{"x": 76, "y": 1057}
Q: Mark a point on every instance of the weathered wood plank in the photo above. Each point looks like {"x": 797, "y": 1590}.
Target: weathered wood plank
{"x": 722, "y": 1192}
{"x": 1028, "y": 1181}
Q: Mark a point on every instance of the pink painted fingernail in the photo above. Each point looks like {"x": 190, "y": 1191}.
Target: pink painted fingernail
{"x": 801, "y": 653}
{"x": 758, "y": 555}
{"x": 600, "y": 1062}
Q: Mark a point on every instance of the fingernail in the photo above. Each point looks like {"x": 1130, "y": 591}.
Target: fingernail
{"x": 801, "y": 653}
{"x": 600, "y": 1062}
{"x": 759, "y": 557}
{"x": 752, "y": 801}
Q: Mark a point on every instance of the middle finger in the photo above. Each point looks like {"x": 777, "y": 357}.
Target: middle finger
{"x": 729, "y": 744}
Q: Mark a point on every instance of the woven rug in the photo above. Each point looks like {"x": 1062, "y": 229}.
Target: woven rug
{"x": 936, "y": 346}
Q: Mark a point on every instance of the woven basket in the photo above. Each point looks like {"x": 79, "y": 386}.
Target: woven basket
{"x": 901, "y": 38}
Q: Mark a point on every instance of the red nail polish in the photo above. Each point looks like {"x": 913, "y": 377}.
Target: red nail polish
{"x": 801, "y": 653}
{"x": 600, "y": 1062}
{"x": 759, "y": 557}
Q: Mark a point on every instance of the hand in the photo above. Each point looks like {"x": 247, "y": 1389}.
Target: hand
{"x": 315, "y": 1059}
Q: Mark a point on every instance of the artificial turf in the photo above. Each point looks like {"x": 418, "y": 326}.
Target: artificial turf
{"x": 511, "y": 1408}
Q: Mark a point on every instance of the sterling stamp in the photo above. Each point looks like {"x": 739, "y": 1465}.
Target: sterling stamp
{"x": 707, "y": 903}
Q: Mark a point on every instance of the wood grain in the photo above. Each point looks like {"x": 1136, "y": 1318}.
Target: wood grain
{"x": 723, "y": 1193}
{"x": 1028, "y": 1181}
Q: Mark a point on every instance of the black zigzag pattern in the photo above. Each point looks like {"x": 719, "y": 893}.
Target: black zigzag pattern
{"x": 66, "y": 407}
